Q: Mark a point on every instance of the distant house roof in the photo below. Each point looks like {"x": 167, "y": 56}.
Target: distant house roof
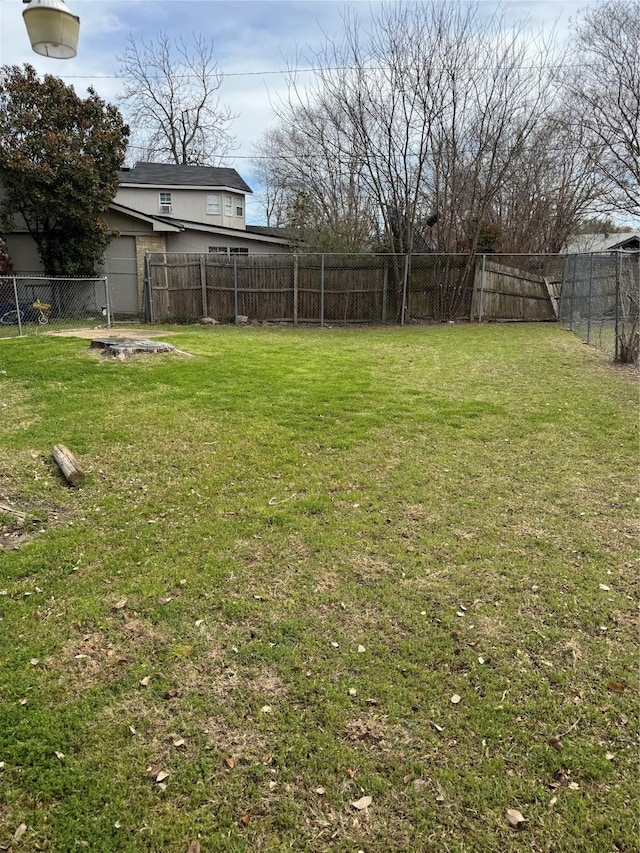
{"x": 171, "y": 175}
{"x": 629, "y": 241}
{"x": 603, "y": 242}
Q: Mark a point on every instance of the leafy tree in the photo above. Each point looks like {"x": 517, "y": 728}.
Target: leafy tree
{"x": 6, "y": 264}
{"x": 59, "y": 156}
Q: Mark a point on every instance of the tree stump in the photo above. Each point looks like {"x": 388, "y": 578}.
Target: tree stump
{"x": 123, "y": 347}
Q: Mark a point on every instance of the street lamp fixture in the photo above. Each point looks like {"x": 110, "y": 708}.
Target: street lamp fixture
{"x": 53, "y": 30}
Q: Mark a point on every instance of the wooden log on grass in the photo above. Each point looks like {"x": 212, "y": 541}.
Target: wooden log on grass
{"x": 68, "y": 464}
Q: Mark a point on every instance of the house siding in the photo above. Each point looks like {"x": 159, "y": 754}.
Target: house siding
{"x": 199, "y": 242}
{"x": 189, "y": 204}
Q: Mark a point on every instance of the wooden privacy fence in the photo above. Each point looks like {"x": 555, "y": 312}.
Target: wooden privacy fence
{"x": 346, "y": 289}
{"x": 517, "y": 287}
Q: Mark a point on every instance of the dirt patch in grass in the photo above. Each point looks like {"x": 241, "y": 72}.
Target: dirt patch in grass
{"x": 20, "y": 523}
{"x": 146, "y": 333}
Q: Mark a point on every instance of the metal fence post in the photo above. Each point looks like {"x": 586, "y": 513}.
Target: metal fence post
{"x": 295, "y": 290}
{"x": 15, "y": 296}
{"x": 617, "y": 311}
{"x": 573, "y": 290}
{"x": 589, "y": 298}
{"x": 482, "y": 275}
{"x": 322, "y": 290}
{"x": 235, "y": 288}
{"x": 385, "y": 287}
{"x": 405, "y": 280}
{"x": 107, "y": 300}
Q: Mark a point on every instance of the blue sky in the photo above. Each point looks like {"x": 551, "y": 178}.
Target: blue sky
{"x": 253, "y": 39}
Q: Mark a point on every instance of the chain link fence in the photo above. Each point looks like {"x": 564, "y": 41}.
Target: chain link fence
{"x": 600, "y": 301}
{"x": 332, "y": 289}
{"x": 31, "y": 305}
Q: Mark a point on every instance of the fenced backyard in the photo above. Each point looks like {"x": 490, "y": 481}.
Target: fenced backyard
{"x": 595, "y": 295}
{"x": 33, "y": 304}
{"x": 361, "y": 588}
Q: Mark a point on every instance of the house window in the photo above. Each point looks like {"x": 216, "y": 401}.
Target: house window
{"x": 218, "y": 250}
{"x": 165, "y": 203}
{"x": 213, "y": 204}
{"x": 238, "y": 250}
{"x": 228, "y": 205}
{"x": 239, "y": 209}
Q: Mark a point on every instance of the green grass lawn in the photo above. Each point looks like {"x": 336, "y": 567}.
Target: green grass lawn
{"x": 292, "y": 551}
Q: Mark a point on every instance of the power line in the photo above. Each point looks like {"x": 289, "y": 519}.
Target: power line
{"x": 551, "y": 66}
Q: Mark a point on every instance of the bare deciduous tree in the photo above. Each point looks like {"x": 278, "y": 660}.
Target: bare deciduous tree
{"x": 308, "y": 186}
{"x": 603, "y": 94}
{"x": 431, "y": 109}
{"x": 171, "y": 100}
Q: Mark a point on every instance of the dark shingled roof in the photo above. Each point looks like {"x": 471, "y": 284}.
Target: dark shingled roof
{"x": 284, "y": 233}
{"x": 171, "y": 175}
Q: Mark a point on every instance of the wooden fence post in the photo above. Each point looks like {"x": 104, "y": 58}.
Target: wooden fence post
{"x": 203, "y": 285}
{"x": 235, "y": 289}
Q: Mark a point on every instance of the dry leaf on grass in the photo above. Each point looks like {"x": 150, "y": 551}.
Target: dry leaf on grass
{"x": 20, "y": 831}
{"x": 230, "y": 762}
{"x": 145, "y": 681}
{"x": 555, "y": 742}
{"x": 515, "y": 817}
{"x": 455, "y": 699}
{"x": 362, "y": 803}
{"x": 615, "y": 686}
{"x": 194, "y": 847}
{"x": 59, "y": 755}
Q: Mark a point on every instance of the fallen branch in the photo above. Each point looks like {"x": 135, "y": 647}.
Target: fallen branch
{"x": 19, "y": 513}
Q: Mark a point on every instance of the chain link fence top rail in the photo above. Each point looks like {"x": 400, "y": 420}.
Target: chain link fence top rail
{"x": 32, "y": 304}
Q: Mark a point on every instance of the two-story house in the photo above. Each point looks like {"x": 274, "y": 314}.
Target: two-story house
{"x": 162, "y": 207}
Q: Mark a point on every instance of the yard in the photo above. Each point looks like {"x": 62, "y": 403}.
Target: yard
{"x": 321, "y": 590}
